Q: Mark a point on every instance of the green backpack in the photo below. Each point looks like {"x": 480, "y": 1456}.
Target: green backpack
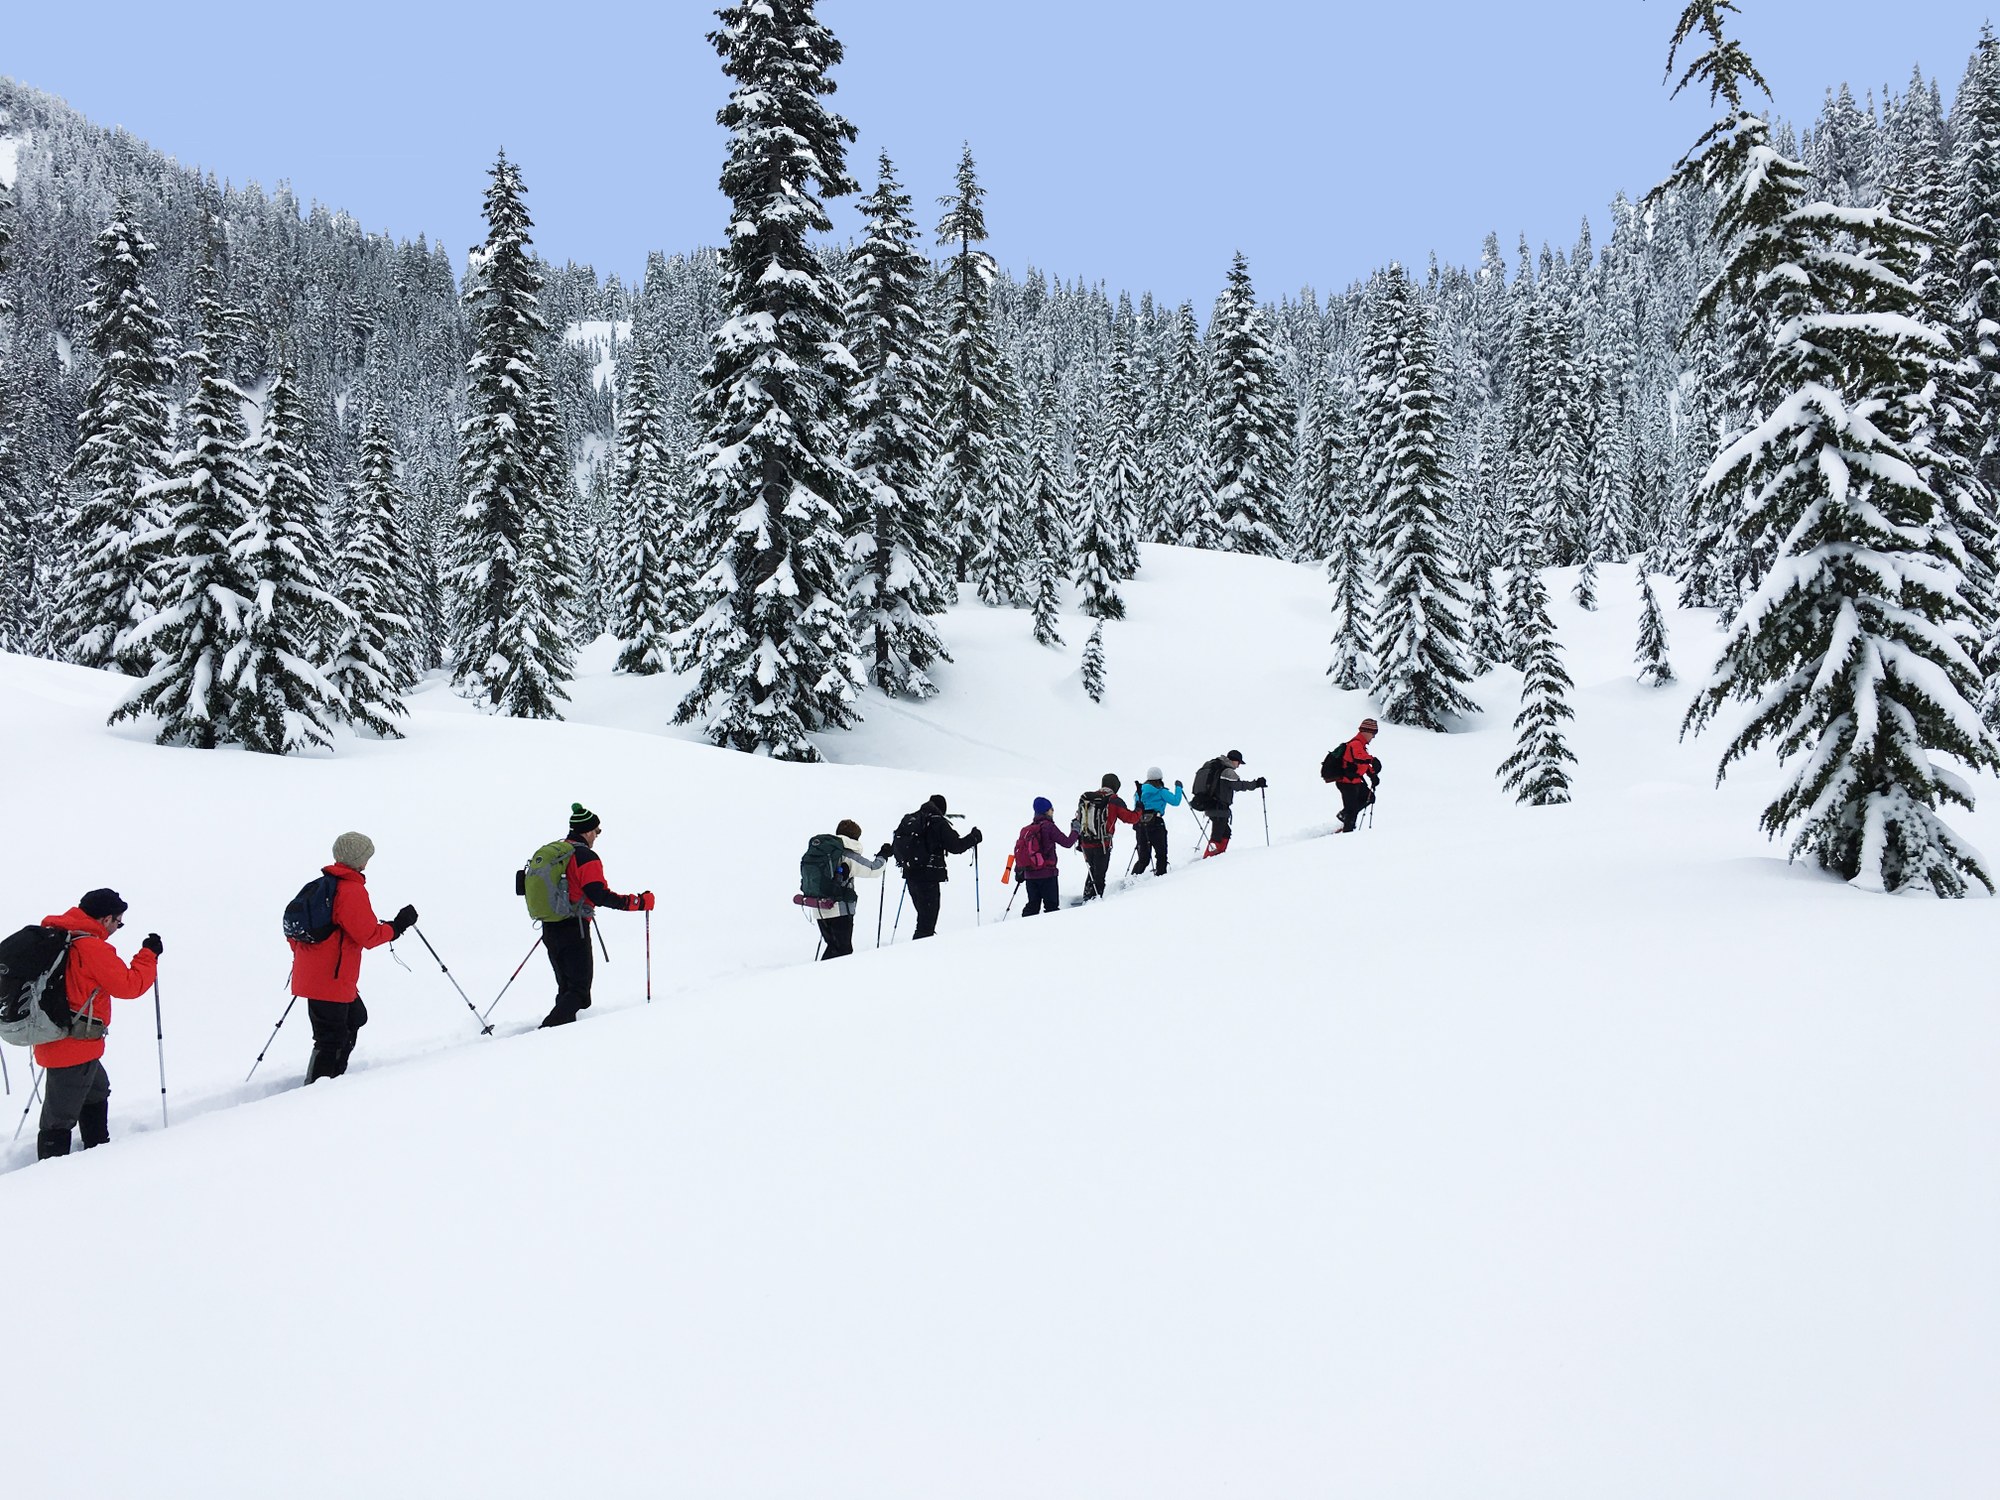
{"x": 545, "y": 882}
{"x": 819, "y": 869}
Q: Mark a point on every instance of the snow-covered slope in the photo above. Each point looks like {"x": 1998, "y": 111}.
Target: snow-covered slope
{"x": 1567, "y": 1152}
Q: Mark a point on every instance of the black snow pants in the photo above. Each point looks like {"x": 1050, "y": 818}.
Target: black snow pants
{"x": 1152, "y": 846}
{"x": 568, "y": 945}
{"x": 71, "y": 1097}
{"x": 1354, "y": 796}
{"x": 336, "y": 1024}
{"x": 1044, "y": 894}
{"x": 1098, "y": 881}
{"x": 926, "y": 895}
{"x": 839, "y": 935}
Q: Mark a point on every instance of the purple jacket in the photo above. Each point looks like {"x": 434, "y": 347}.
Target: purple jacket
{"x": 1035, "y": 849}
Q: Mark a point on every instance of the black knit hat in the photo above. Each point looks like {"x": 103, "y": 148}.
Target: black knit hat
{"x": 937, "y": 801}
{"x": 101, "y": 903}
{"x": 581, "y": 818}
{"x": 1111, "y": 780}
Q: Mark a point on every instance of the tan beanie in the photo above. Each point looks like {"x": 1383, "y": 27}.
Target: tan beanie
{"x": 353, "y": 850}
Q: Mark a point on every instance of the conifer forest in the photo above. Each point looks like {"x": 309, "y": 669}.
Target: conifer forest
{"x": 276, "y": 469}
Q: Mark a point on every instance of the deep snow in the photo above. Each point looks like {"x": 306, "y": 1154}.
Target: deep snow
{"x": 1494, "y": 1151}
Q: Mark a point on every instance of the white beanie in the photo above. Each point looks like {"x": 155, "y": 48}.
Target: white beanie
{"x": 353, "y": 850}
{"x": 1154, "y": 773}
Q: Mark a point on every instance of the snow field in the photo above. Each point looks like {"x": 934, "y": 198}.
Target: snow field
{"x": 1494, "y": 1151}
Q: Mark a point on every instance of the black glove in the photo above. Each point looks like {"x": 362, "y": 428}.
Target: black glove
{"x": 404, "y": 920}
{"x": 1177, "y": 786}
{"x": 1260, "y": 783}
{"x": 1374, "y": 780}
{"x": 153, "y": 945}
{"x": 975, "y": 838}
{"x": 886, "y": 851}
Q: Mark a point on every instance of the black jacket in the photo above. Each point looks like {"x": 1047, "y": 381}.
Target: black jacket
{"x": 937, "y": 839}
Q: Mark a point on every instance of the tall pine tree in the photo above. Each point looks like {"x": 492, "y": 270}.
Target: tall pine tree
{"x": 1248, "y": 424}
{"x": 1853, "y": 650}
{"x": 898, "y": 560}
{"x": 194, "y": 641}
{"x": 281, "y": 700}
{"x": 373, "y": 660}
{"x": 1420, "y": 629}
{"x": 651, "y": 581}
{"x": 772, "y": 646}
{"x": 972, "y": 487}
{"x": 1536, "y": 773}
{"x": 511, "y": 653}
{"x": 121, "y": 435}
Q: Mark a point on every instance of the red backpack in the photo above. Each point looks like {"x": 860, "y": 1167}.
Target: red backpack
{"x": 1028, "y": 856}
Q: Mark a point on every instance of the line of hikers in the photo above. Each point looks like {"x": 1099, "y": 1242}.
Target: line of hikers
{"x": 58, "y": 979}
{"x": 924, "y": 838}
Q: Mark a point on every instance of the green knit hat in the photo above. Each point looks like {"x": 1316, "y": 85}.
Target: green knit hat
{"x": 581, "y": 818}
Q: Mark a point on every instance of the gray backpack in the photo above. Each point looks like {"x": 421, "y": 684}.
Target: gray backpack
{"x": 34, "y": 990}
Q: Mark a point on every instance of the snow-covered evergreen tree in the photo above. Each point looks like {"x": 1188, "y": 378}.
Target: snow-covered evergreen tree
{"x": 972, "y": 486}
{"x": 372, "y": 663}
{"x": 1247, "y": 423}
{"x": 1093, "y": 663}
{"x": 1002, "y": 570}
{"x": 194, "y": 640}
{"x": 1536, "y": 773}
{"x": 121, "y": 435}
{"x": 1186, "y": 511}
{"x": 1655, "y": 666}
{"x": 1854, "y": 648}
{"x": 1347, "y": 569}
{"x": 1097, "y": 547}
{"x": 280, "y": 699}
{"x": 1115, "y": 479}
{"x": 773, "y": 646}
{"x": 507, "y": 653}
{"x": 900, "y": 558}
{"x": 1046, "y": 499}
{"x": 1419, "y": 644}
{"x": 651, "y": 579}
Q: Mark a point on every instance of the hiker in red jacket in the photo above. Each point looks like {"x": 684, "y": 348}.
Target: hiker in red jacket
{"x": 76, "y": 1091}
{"x": 1356, "y": 772}
{"x": 567, "y": 942}
{"x": 327, "y": 974}
{"x": 1035, "y": 859}
{"x": 1098, "y": 815}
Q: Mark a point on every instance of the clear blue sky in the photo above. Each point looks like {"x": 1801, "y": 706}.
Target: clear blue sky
{"x": 1140, "y": 143}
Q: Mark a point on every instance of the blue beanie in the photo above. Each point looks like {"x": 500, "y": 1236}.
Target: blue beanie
{"x": 1043, "y": 805}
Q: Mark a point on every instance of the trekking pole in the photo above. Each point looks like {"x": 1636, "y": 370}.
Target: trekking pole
{"x": 649, "y": 958}
{"x": 4, "y": 1079}
{"x": 517, "y": 974}
{"x": 975, "y": 886}
{"x": 1267, "y": 816}
{"x": 602, "y": 946}
{"x": 893, "y": 926}
{"x": 271, "y": 1038}
{"x": 1010, "y": 900}
{"x": 881, "y": 905}
{"x": 484, "y": 1029}
{"x": 160, "y": 1043}
{"x": 33, "y": 1093}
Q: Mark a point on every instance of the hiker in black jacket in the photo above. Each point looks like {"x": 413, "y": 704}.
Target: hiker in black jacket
{"x": 924, "y": 870}
{"x": 1215, "y": 787}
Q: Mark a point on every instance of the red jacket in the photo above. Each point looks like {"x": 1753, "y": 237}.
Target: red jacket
{"x": 1356, "y": 764}
{"x": 95, "y": 976}
{"x": 331, "y": 970}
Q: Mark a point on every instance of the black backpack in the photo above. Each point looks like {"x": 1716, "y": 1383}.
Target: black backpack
{"x": 1205, "y": 780}
{"x": 34, "y": 992}
{"x": 1093, "y": 816}
{"x": 820, "y": 867}
{"x": 908, "y": 844}
{"x": 1332, "y": 766}
{"x": 309, "y": 914}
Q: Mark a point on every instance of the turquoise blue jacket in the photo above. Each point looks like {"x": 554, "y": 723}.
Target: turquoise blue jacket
{"x": 1157, "y": 799}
